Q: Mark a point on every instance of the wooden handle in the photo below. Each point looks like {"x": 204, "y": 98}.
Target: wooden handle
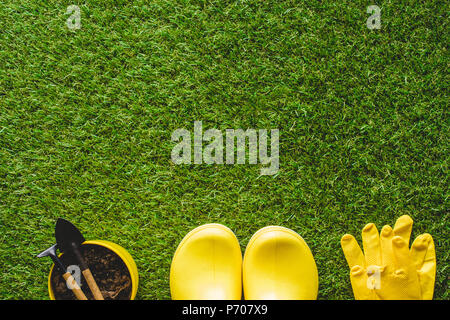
{"x": 92, "y": 284}
{"x": 73, "y": 285}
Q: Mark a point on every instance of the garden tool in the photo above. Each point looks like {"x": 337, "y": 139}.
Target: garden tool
{"x": 278, "y": 265}
{"x": 69, "y": 239}
{"x": 388, "y": 269}
{"x": 71, "y": 283}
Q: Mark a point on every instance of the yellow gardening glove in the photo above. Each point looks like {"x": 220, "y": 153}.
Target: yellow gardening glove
{"x": 388, "y": 270}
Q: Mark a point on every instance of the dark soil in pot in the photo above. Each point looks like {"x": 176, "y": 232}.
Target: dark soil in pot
{"x": 109, "y": 271}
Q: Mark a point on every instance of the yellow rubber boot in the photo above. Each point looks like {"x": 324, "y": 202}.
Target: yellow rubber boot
{"x": 278, "y": 265}
{"x": 207, "y": 265}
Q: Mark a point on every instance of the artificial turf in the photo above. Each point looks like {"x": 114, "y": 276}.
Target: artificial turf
{"x": 86, "y": 118}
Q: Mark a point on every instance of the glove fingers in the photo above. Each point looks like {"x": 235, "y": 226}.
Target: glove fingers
{"x": 386, "y": 236}
{"x": 419, "y": 250}
{"x": 423, "y": 255}
{"x": 401, "y": 255}
{"x": 403, "y": 227}
{"x": 371, "y": 244}
{"x": 358, "y": 279}
{"x": 352, "y": 251}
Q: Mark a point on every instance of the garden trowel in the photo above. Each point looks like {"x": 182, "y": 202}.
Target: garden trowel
{"x": 69, "y": 239}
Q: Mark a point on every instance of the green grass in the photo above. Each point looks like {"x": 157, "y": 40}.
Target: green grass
{"x": 86, "y": 119}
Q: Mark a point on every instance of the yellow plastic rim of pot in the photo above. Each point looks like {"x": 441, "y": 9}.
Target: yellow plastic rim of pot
{"x": 122, "y": 253}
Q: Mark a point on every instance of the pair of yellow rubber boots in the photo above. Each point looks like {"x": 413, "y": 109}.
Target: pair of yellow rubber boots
{"x": 277, "y": 264}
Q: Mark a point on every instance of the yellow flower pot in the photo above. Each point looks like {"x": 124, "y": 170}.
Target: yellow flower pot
{"x": 122, "y": 253}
